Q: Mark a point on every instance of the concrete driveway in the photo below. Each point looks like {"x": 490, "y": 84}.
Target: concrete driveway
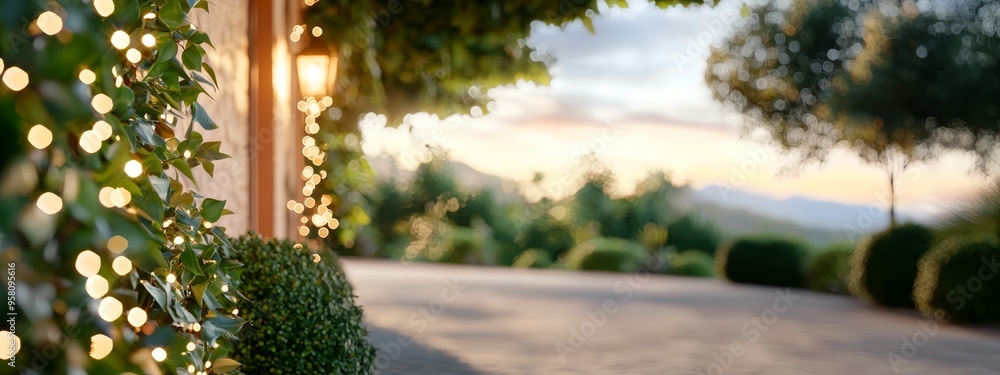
{"x": 441, "y": 319}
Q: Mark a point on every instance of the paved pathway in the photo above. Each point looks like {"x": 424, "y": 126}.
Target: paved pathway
{"x": 438, "y": 319}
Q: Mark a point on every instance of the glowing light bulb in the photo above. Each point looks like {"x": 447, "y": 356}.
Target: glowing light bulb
{"x": 103, "y": 130}
{"x": 87, "y": 76}
{"x": 49, "y": 203}
{"x": 96, "y": 286}
{"x": 90, "y": 142}
{"x": 133, "y": 55}
{"x": 136, "y": 317}
{"x": 110, "y": 309}
{"x": 150, "y": 16}
{"x": 196, "y": 327}
{"x": 15, "y": 78}
{"x": 171, "y": 278}
{"x": 120, "y": 39}
{"x": 316, "y": 258}
{"x": 100, "y": 346}
{"x": 159, "y": 354}
{"x": 117, "y": 244}
{"x": 10, "y": 343}
{"x": 102, "y": 103}
{"x": 122, "y": 266}
{"x": 50, "y": 23}
{"x": 190, "y": 346}
{"x": 39, "y": 136}
{"x": 178, "y": 240}
{"x": 133, "y": 168}
{"x": 88, "y": 263}
{"x": 225, "y": 288}
{"x": 148, "y": 40}
{"x": 104, "y": 7}
{"x": 317, "y": 31}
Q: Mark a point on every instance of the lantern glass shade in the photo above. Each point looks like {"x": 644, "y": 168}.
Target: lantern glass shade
{"x": 317, "y": 69}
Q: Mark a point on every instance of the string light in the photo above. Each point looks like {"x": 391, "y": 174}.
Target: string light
{"x": 9, "y": 342}
{"x": 117, "y": 244}
{"x": 88, "y": 263}
{"x": 122, "y": 266}
{"x": 150, "y": 16}
{"x": 49, "y": 203}
{"x": 136, "y": 317}
{"x": 96, "y": 286}
{"x": 159, "y": 354}
{"x": 39, "y": 136}
{"x": 104, "y": 7}
{"x": 133, "y": 168}
{"x": 171, "y": 278}
{"x": 90, "y": 142}
{"x": 317, "y": 31}
{"x": 148, "y": 40}
{"x": 133, "y": 55}
{"x": 15, "y": 78}
{"x": 87, "y": 76}
{"x": 100, "y": 346}
{"x": 50, "y": 23}
{"x": 120, "y": 39}
{"x": 190, "y": 346}
{"x": 103, "y": 130}
{"x": 102, "y": 103}
{"x": 110, "y": 309}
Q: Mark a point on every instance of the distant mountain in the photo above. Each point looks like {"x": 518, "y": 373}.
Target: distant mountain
{"x": 735, "y": 212}
{"x": 800, "y": 210}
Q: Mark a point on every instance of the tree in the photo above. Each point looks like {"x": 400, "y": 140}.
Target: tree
{"x": 111, "y": 252}
{"x": 887, "y": 80}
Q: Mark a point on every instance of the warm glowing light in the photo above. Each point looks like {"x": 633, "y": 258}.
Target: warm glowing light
{"x": 122, "y": 266}
{"x": 178, "y": 240}
{"x": 333, "y": 224}
{"x": 110, "y": 309}
{"x": 148, "y": 40}
{"x": 150, "y": 16}
{"x": 120, "y": 39}
{"x": 133, "y": 168}
{"x": 136, "y": 317}
{"x": 323, "y": 232}
{"x": 190, "y": 346}
{"x": 133, "y": 55}
{"x": 97, "y": 286}
{"x": 298, "y": 29}
{"x": 9, "y": 342}
{"x": 15, "y": 78}
{"x": 317, "y": 31}
{"x": 49, "y": 203}
{"x": 316, "y": 73}
{"x": 39, "y": 136}
{"x": 159, "y": 354}
{"x": 316, "y": 258}
{"x": 196, "y": 327}
{"x": 171, "y": 278}
{"x": 102, "y": 103}
{"x": 104, "y": 7}
{"x": 166, "y": 223}
{"x": 208, "y": 364}
{"x": 88, "y": 263}
{"x": 119, "y": 81}
{"x": 87, "y": 76}
{"x": 120, "y": 197}
{"x": 1, "y": 65}
{"x": 100, "y": 346}
{"x": 303, "y": 230}
{"x": 191, "y": 369}
{"x": 117, "y": 244}
{"x": 236, "y": 311}
{"x": 225, "y": 288}
{"x": 103, "y": 130}
{"x": 90, "y": 142}
{"x": 50, "y": 23}
{"x": 187, "y": 154}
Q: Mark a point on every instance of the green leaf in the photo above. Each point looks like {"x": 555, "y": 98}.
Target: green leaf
{"x": 166, "y": 53}
{"x": 192, "y": 57}
{"x": 211, "y": 209}
{"x": 211, "y": 73}
{"x": 190, "y": 261}
{"x": 223, "y": 365}
{"x": 183, "y": 166}
{"x": 171, "y": 14}
{"x": 201, "y": 116}
{"x": 199, "y": 293}
{"x": 156, "y": 292}
{"x": 161, "y": 186}
{"x": 220, "y": 325}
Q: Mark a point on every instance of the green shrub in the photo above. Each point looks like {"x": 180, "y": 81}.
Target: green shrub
{"x": 958, "y": 281}
{"x": 765, "y": 261}
{"x": 829, "y": 270}
{"x": 692, "y": 232}
{"x": 611, "y": 254}
{"x": 545, "y": 233}
{"x": 463, "y": 245}
{"x": 533, "y": 258}
{"x": 303, "y": 319}
{"x": 691, "y": 263}
{"x": 884, "y": 266}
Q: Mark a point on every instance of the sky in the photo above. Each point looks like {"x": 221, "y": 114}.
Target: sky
{"x": 633, "y": 94}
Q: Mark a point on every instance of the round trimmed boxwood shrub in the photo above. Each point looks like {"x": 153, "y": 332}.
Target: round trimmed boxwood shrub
{"x": 958, "y": 281}
{"x": 764, "y": 261}
{"x": 695, "y": 263}
{"x": 612, "y": 254}
{"x": 301, "y": 317}
{"x": 829, "y": 269}
{"x": 884, "y": 266}
{"x": 533, "y": 258}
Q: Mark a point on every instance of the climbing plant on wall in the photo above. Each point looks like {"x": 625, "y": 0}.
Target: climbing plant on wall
{"x": 114, "y": 264}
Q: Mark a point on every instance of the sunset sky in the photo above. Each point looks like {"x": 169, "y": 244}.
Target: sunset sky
{"x": 634, "y": 94}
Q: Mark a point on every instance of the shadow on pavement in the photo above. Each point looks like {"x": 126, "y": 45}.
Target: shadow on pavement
{"x": 398, "y": 354}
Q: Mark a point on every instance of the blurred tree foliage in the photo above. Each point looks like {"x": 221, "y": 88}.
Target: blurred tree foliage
{"x": 893, "y": 81}
{"x": 111, "y": 251}
{"x": 408, "y": 56}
